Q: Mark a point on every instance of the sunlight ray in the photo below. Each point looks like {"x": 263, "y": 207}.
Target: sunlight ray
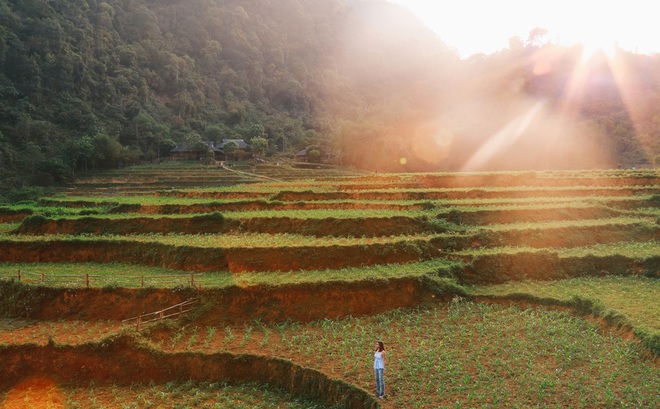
{"x": 628, "y": 86}
{"x": 633, "y": 95}
{"x": 503, "y": 139}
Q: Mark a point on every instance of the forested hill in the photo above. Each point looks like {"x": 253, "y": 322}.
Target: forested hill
{"x": 88, "y": 84}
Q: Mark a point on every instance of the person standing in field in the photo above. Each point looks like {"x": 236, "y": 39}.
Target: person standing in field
{"x": 379, "y": 369}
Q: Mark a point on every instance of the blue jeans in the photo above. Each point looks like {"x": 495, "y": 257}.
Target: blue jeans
{"x": 380, "y": 382}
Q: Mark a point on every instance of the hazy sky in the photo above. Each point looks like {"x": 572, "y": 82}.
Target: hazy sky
{"x": 485, "y": 26}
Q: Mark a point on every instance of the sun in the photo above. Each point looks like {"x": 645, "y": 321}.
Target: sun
{"x": 598, "y": 39}
{"x": 486, "y": 26}
{"x": 591, "y": 50}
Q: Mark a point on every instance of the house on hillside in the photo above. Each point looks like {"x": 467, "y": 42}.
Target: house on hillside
{"x": 233, "y": 154}
{"x": 311, "y": 154}
{"x": 241, "y": 143}
{"x": 302, "y": 155}
{"x": 182, "y": 151}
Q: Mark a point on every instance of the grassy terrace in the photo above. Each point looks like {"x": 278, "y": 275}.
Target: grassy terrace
{"x": 135, "y": 181}
{"x": 109, "y": 274}
{"x": 326, "y": 209}
{"x": 129, "y": 276}
{"x": 333, "y": 187}
{"x": 160, "y": 199}
{"x": 374, "y": 211}
{"x": 203, "y": 395}
{"x": 254, "y": 240}
{"x": 642, "y": 205}
{"x": 619, "y": 221}
{"x": 36, "y": 332}
{"x": 179, "y": 174}
{"x": 61, "y": 210}
{"x": 628, "y": 249}
{"x": 295, "y": 214}
{"x": 290, "y": 239}
{"x": 7, "y": 227}
{"x": 474, "y": 354}
{"x": 636, "y": 297}
{"x": 494, "y": 228}
{"x": 176, "y": 395}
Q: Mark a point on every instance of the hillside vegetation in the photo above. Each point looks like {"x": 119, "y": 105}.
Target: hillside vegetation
{"x": 89, "y": 84}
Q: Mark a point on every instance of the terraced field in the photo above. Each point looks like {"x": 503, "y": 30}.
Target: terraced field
{"x": 177, "y": 175}
{"x": 489, "y": 289}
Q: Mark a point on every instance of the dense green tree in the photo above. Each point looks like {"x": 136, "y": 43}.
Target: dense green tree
{"x": 107, "y": 151}
{"x": 314, "y": 155}
{"x": 259, "y": 146}
{"x": 82, "y": 151}
{"x": 230, "y": 149}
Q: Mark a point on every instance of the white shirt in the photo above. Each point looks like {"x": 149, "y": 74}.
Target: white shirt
{"x": 379, "y": 362}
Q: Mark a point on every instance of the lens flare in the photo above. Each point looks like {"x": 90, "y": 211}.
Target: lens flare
{"x": 35, "y": 393}
{"x": 432, "y": 142}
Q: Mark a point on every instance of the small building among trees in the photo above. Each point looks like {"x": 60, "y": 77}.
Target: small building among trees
{"x": 310, "y": 154}
{"x": 233, "y": 148}
{"x": 196, "y": 151}
{"x": 226, "y": 149}
{"x": 241, "y": 144}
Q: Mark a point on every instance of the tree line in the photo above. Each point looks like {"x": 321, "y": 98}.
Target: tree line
{"x": 89, "y": 84}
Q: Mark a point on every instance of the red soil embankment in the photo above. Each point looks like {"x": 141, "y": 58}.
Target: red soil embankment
{"x": 121, "y": 361}
{"x": 505, "y": 216}
{"x": 328, "y": 257}
{"x": 234, "y": 305}
{"x": 218, "y": 195}
{"x": 567, "y": 237}
{"x": 126, "y": 226}
{"x": 309, "y": 302}
{"x": 546, "y": 265}
{"x": 13, "y": 217}
{"x": 108, "y": 251}
{"x": 106, "y": 304}
{"x": 215, "y": 259}
{"x": 363, "y": 227}
{"x": 258, "y": 206}
{"x": 338, "y": 227}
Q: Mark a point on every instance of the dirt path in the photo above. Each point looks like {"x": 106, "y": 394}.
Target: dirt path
{"x": 63, "y": 332}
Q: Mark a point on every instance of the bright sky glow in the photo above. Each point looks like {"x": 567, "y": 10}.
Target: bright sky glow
{"x": 485, "y": 26}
